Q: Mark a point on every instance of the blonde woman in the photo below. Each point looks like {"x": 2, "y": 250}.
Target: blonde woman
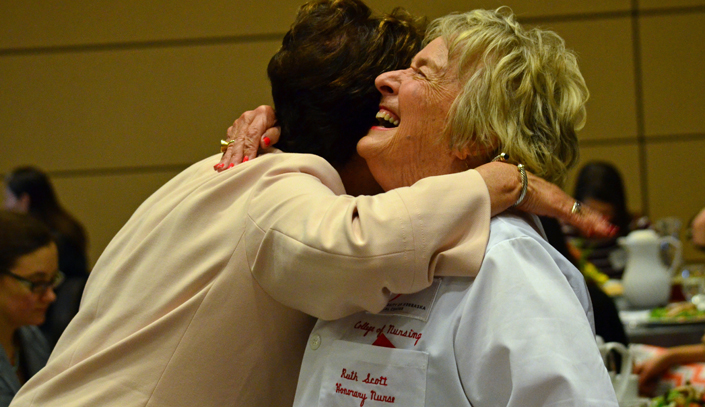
{"x": 521, "y": 333}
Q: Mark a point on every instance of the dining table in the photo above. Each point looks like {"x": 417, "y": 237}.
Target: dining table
{"x": 640, "y": 329}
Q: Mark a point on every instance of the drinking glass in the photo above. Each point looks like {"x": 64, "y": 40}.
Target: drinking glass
{"x": 693, "y": 284}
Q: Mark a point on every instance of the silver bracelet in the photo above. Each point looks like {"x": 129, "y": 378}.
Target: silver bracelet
{"x": 524, "y": 185}
{"x": 504, "y": 157}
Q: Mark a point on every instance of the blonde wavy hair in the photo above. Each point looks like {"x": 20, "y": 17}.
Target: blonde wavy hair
{"x": 522, "y": 91}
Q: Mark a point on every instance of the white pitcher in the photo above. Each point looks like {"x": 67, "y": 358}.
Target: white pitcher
{"x": 647, "y": 281}
{"x": 625, "y": 383}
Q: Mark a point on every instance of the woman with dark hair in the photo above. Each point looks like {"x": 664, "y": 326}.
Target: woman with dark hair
{"x": 599, "y": 186}
{"x": 28, "y": 274}
{"x": 343, "y": 75}
{"x": 29, "y": 190}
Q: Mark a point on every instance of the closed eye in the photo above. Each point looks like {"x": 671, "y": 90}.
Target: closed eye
{"x": 419, "y": 73}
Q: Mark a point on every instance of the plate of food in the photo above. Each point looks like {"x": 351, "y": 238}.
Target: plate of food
{"x": 682, "y": 396}
{"x": 676, "y": 313}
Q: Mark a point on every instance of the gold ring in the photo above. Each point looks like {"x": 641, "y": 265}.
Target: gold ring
{"x": 224, "y": 145}
{"x": 576, "y": 208}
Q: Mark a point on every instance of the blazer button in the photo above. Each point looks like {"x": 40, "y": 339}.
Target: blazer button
{"x": 315, "y": 341}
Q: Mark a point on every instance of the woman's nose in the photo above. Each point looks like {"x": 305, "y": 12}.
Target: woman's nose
{"x": 49, "y": 295}
{"x": 388, "y": 82}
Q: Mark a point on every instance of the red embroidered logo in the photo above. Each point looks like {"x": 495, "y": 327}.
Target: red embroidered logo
{"x": 383, "y": 341}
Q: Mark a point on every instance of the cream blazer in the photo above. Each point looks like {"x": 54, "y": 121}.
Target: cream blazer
{"x": 172, "y": 316}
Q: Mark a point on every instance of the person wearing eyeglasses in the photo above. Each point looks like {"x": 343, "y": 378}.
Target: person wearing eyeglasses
{"x": 29, "y": 190}
{"x": 29, "y": 273}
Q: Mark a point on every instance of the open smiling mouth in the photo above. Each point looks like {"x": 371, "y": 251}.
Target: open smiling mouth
{"x": 386, "y": 119}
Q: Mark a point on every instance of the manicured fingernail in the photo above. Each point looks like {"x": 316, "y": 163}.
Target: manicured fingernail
{"x": 231, "y": 165}
{"x": 266, "y": 141}
{"x": 218, "y": 166}
{"x": 245, "y": 158}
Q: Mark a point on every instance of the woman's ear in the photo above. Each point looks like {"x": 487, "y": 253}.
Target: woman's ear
{"x": 474, "y": 154}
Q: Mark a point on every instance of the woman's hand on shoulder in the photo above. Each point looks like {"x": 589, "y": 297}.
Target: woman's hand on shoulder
{"x": 546, "y": 199}
{"x": 542, "y": 198}
{"x": 252, "y": 131}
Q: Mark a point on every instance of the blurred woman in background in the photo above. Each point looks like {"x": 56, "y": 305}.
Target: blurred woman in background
{"x": 28, "y": 275}
{"x": 29, "y": 190}
{"x": 600, "y": 187}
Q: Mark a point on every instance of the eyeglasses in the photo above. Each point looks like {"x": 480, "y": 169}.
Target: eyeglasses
{"x": 38, "y": 287}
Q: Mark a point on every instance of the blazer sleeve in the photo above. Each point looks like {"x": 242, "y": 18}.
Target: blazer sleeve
{"x": 330, "y": 255}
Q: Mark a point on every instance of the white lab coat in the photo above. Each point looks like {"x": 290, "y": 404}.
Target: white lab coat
{"x": 520, "y": 334}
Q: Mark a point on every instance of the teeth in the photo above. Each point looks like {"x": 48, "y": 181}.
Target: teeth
{"x": 385, "y": 116}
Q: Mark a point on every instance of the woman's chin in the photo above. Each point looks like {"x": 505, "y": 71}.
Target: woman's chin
{"x": 37, "y": 319}
{"x": 375, "y": 141}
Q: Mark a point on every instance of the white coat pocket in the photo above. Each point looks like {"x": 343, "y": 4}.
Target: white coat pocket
{"x": 365, "y": 375}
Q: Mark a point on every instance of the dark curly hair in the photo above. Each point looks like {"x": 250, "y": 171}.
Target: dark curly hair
{"x": 323, "y": 75}
{"x": 20, "y": 234}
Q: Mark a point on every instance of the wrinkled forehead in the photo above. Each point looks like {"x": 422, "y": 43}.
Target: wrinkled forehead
{"x": 462, "y": 56}
{"x": 434, "y": 55}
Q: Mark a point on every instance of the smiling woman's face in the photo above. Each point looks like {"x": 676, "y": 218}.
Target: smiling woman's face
{"x": 408, "y": 144}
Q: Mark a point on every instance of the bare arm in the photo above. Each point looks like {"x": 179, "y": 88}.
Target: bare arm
{"x": 542, "y": 198}
{"x": 650, "y": 371}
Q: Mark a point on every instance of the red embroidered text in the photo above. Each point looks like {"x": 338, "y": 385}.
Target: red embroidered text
{"x": 382, "y": 381}
{"x": 351, "y": 375}
{"x": 379, "y": 397}
{"x": 409, "y": 333}
{"x": 352, "y": 393}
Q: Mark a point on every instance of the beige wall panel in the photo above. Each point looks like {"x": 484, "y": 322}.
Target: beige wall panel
{"x": 625, "y": 158}
{"x": 676, "y": 184}
{"x": 604, "y": 51}
{"x": 127, "y": 108}
{"x": 673, "y": 53}
{"x": 104, "y": 203}
{"x": 659, "y": 4}
{"x": 522, "y": 8}
{"x": 43, "y": 24}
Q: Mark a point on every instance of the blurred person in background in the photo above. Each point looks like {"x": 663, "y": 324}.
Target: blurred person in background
{"x": 28, "y": 275}
{"x": 651, "y": 370}
{"x": 599, "y": 186}
{"x": 697, "y": 230}
{"x": 29, "y": 190}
